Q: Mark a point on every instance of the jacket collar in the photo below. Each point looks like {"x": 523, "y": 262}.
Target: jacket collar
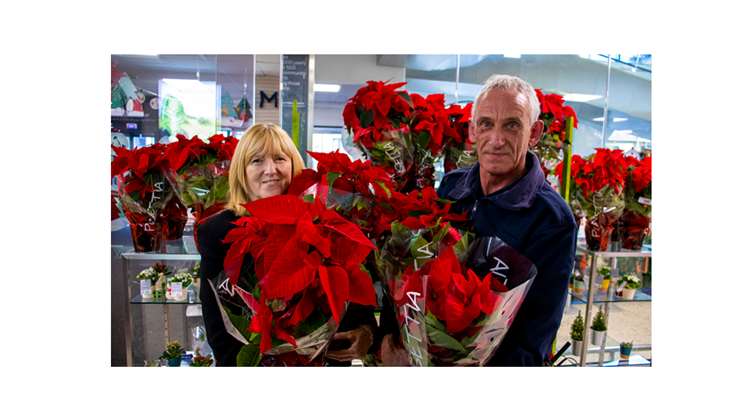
{"x": 520, "y": 194}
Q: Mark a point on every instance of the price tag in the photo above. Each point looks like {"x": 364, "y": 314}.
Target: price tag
{"x": 644, "y": 200}
{"x": 176, "y": 289}
{"x": 146, "y": 288}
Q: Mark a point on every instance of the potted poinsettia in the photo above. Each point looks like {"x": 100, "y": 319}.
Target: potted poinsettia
{"x": 627, "y": 284}
{"x": 576, "y": 335}
{"x": 200, "y": 173}
{"x": 635, "y": 220}
{"x": 459, "y": 151}
{"x": 606, "y": 274}
{"x": 554, "y": 115}
{"x": 599, "y": 328}
{"x": 153, "y": 209}
{"x": 405, "y": 133}
{"x": 173, "y": 354}
{"x": 287, "y": 298}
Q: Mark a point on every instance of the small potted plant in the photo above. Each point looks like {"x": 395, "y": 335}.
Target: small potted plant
{"x": 173, "y": 354}
{"x": 578, "y": 284}
{"x": 196, "y": 273}
{"x": 163, "y": 272}
{"x": 599, "y": 326}
{"x": 632, "y": 283}
{"x": 201, "y": 361}
{"x": 185, "y": 279}
{"x": 625, "y": 349}
{"x": 576, "y": 334}
{"x": 606, "y": 274}
{"x": 151, "y": 276}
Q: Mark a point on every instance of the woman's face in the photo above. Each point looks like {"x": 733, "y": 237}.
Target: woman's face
{"x": 267, "y": 176}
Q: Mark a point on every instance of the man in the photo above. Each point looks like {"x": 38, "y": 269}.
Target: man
{"x": 508, "y": 197}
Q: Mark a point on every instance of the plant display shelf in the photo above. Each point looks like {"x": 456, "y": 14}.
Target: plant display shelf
{"x": 129, "y": 276}
{"x": 608, "y": 297}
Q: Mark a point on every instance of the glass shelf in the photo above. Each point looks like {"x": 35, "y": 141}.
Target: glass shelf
{"x": 644, "y": 252}
{"x": 138, "y": 299}
{"x": 158, "y": 256}
{"x": 601, "y": 297}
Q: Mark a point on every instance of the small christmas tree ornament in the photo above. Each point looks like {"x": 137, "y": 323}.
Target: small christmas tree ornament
{"x": 118, "y": 101}
{"x": 243, "y": 109}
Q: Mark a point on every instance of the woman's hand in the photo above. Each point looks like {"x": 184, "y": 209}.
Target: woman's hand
{"x": 391, "y": 354}
{"x": 360, "y": 341}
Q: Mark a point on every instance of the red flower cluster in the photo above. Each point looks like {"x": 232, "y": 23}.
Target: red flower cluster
{"x": 604, "y": 168}
{"x": 430, "y": 115}
{"x": 139, "y": 162}
{"x": 640, "y": 171}
{"x": 218, "y": 148}
{"x": 455, "y": 295}
{"x": 553, "y": 104}
{"x": 305, "y": 255}
{"x": 375, "y": 108}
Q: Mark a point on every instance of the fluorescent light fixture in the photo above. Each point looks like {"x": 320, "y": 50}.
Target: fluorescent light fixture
{"x": 598, "y": 119}
{"x": 580, "y": 97}
{"x": 619, "y": 119}
{"x": 512, "y": 56}
{"x": 327, "y": 88}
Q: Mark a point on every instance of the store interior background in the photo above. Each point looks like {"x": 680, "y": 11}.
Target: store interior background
{"x": 587, "y": 82}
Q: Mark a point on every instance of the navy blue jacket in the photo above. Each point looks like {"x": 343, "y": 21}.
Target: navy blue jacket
{"x": 530, "y": 216}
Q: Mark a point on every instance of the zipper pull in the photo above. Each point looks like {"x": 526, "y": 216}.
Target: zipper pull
{"x": 474, "y": 210}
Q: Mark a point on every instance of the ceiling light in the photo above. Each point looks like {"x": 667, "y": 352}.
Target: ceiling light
{"x": 327, "y": 88}
{"x": 619, "y": 119}
{"x": 580, "y": 97}
{"x": 512, "y": 56}
{"x": 598, "y": 119}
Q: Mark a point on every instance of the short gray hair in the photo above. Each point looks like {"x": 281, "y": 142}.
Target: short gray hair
{"x": 505, "y": 82}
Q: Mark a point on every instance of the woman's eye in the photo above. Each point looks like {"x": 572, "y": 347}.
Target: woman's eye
{"x": 256, "y": 161}
{"x": 280, "y": 159}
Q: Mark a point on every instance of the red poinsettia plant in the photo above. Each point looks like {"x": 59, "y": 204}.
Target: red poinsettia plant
{"x": 148, "y": 200}
{"x": 201, "y": 173}
{"x": 636, "y": 219}
{"x": 459, "y": 152}
{"x": 306, "y": 267}
{"x": 554, "y": 116}
{"x": 405, "y": 133}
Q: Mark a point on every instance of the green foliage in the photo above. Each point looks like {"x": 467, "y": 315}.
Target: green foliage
{"x": 172, "y": 117}
{"x": 249, "y": 356}
{"x": 576, "y": 330}
{"x": 599, "y": 323}
{"x": 173, "y": 351}
{"x": 626, "y": 345}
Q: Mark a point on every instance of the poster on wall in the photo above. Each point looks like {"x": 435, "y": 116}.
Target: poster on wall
{"x": 189, "y": 107}
{"x": 294, "y": 98}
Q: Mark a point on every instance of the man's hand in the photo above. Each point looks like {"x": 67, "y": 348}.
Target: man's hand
{"x": 359, "y": 340}
{"x": 392, "y": 355}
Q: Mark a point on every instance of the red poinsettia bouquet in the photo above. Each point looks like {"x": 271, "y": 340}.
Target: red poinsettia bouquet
{"x": 635, "y": 220}
{"x": 554, "y": 115}
{"x": 405, "y": 133}
{"x": 289, "y": 273}
{"x": 150, "y": 203}
{"x": 351, "y": 188}
{"x": 201, "y": 173}
{"x": 459, "y": 151}
{"x": 455, "y": 303}
{"x": 599, "y": 191}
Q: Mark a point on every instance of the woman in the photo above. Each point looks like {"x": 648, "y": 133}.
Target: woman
{"x": 263, "y": 165}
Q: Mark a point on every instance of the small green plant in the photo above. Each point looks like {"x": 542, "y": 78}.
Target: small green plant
{"x": 632, "y": 281}
{"x": 201, "y": 361}
{"x": 173, "y": 351}
{"x": 626, "y": 345}
{"x": 576, "y": 330}
{"x": 196, "y": 271}
{"x": 148, "y": 274}
{"x": 605, "y": 272}
{"x": 599, "y": 324}
{"x": 185, "y": 278}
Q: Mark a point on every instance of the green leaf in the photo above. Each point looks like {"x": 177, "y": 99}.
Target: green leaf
{"x": 423, "y": 139}
{"x": 240, "y": 323}
{"x": 365, "y": 119}
{"x": 444, "y": 340}
{"x": 433, "y": 322}
{"x": 249, "y": 356}
{"x": 404, "y": 95}
{"x": 310, "y": 198}
{"x": 315, "y": 320}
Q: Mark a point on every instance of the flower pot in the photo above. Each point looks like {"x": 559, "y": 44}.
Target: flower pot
{"x": 628, "y": 294}
{"x": 143, "y": 230}
{"x": 576, "y": 347}
{"x": 625, "y": 352}
{"x": 597, "y": 337}
{"x": 597, "y": 235}
{"x": 578, "y": 286}
{"x": 605, "y": 285}
{"x": 182, "y": 297}
{"x": 153, "y": 290}
{"x": 633, "y": 230}
{"x": 174, "y": 362}
{"x": 172, "y": 218}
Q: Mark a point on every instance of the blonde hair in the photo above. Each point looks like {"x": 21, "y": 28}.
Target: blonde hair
{"x": 260, "y": 139}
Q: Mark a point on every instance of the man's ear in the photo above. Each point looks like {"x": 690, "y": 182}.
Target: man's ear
{"x": 471, "y": 132}
{"x": 536, "y": 133}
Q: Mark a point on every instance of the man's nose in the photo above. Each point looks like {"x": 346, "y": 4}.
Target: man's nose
{"x": 497, "y": 138}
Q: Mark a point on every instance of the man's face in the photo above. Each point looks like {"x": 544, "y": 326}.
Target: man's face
{"x": 502, "y": 132}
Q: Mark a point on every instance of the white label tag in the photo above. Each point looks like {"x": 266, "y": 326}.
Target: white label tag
{"x": 644, "y": 200}
{"x": 145, "y": 287}
{"x": 176, "y": 289}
